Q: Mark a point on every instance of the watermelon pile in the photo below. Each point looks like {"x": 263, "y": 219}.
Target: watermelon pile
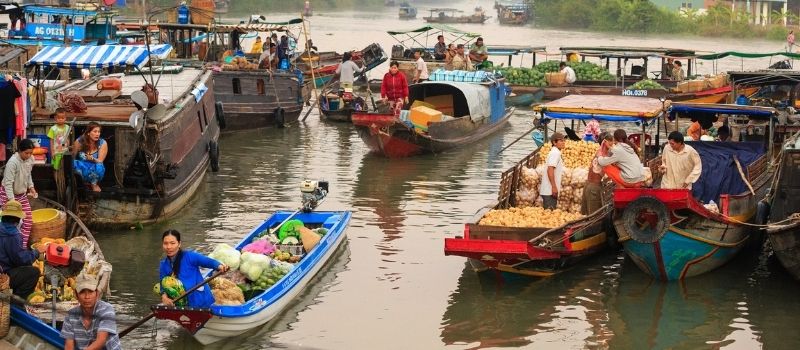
{"x": 535, "y": 76}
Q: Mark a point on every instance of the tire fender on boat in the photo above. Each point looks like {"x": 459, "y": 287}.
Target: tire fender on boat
{"x": 280, "y": 117}
{"x": 213, "y": 155}
{"x": 645, "y": 219}
{"x": 220, "y": 114}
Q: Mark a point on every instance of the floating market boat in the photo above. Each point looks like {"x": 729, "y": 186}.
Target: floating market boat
{"x": 672, "y": 234}
{"x": 339, "y": 106}
{"x": 31, "y": 332}
{"x": 407, "y": 11}
{"x": 467, "y": 112}
{"x": 525, "y": 99}
{"x": 156, "y": 159}
{"x": 218, "y": 322}
{"x": 541, "y": 251}
{"x": 513, "y": 13}
{"x": 448, "y": 15}
{"x": 783, "y": 227}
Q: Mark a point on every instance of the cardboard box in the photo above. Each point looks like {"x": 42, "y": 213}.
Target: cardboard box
{"x": 698, "y": 85}
{"x": 421, "y": 116}
{"x": 442, "y": 103}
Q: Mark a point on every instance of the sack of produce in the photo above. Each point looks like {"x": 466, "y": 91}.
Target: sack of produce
{"x": 576, "y": 154}
{"x": 174, "y": 288}
{"x": 253, "y": 265}
{"x": 260, "y": 246}
{"x": 556, "y": 79}
{"x": 226, "y": 292}
{"x": 226, "y": 255}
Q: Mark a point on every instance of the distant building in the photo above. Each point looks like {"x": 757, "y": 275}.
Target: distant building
{"x": 760, "y": 10}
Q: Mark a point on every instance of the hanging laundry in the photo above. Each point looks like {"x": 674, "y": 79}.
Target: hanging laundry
{"x": 22, "y": 107}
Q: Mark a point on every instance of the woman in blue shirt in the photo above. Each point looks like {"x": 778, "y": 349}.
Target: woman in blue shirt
{"x": 185, "y": 266}
{"x": 90, "y": 151}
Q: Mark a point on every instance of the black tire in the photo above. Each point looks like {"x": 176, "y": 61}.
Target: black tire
{"x": 220, "y": 115}
{"x": 213, "y": 155}
{"x": 656, "y": 229}
{"x": 280, "y": 117}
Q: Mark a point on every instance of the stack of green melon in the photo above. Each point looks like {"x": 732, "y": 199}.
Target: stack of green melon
{"x": 535, "y": 76}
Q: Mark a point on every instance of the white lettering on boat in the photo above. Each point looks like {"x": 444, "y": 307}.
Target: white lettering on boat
{"x": 293, "y": 276}
{"x": 638, "y": 93}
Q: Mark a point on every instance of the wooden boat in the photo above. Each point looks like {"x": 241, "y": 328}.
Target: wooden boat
{"x": 407, "y": 11}
{"x": 339, "y": 107}
{"x": 513, "y": 13}
{"x": 539, "y": 251}
{"x": 525, "y": 99}
{"x": 477, "y": 110}
{"x": 669, "y": 233}
{"x": 529, "y": 251}
{"x": 225, "y": 321}
{"x": 783, "y": 227}
{"x": 448, "y": 15}
{"x": 31, "y": 332}
{"x": 325, "y": 67}
{"x": 42, "y": 24}
{"x": 156, "y": 160}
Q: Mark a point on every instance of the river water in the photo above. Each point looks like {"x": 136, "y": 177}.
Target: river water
{"x": 390, "y": 285}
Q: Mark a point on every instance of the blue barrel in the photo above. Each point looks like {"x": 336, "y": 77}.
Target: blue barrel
{"x": 183, "y": 14}
{"x": 742, "y": 100}
{"x": 284, "y": 64}
{"x": 121, "y": 3}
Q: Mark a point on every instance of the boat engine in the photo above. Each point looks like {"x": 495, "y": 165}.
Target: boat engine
{"x": 61, "y": 263}
{"x": 313, "y": 193}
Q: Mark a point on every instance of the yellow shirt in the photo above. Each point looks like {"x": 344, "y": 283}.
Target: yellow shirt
{"x": 257, "y": 47}
{"x": 682, "y": 167}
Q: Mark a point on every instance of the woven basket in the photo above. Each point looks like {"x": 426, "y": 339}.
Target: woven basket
{"x": 53, "y": 224}
{"x": 556, "y": 79}
{"x": 5, "y": 306}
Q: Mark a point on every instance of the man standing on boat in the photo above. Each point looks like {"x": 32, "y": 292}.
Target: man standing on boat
{"x": 347, "y": 71}
{"x": 92, "y": 324}
{"x": 680, "y": 163}
{"x": 571, "y": 77}
{"x": 551, "y": 182}
{"x": 478, "y": 54}
{"x": 421, "y": 71}
{"x": 440, "y": 49}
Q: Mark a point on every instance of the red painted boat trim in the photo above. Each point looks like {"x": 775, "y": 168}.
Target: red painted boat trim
{"x": 190, "y": 319}
{"x": 660, "y": 261}
{"x": 673, "y": 199}
{"x": 695, "y": 261}
{"x": 496, "y": 249}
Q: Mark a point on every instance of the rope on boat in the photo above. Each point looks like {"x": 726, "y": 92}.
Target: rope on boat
{"x": 776, "y": 225}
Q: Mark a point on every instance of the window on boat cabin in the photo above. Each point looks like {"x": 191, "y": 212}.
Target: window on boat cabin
{"x": 205, "y": 115}
{"x": 260, "y": 86}
{"x": 237, "y": 86}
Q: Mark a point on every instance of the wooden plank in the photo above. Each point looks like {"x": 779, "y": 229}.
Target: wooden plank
{"x": 96, "y": 95}
{"x": 99, "y": 113}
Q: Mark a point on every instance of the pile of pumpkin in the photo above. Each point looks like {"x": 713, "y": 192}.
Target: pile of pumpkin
{"x": 238, "y": 63}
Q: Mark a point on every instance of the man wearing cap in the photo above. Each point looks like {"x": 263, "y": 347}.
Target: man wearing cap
{"x": 92, "y": 324}
{"x": 551, "y": 182}
{"x": 14, "y": 260}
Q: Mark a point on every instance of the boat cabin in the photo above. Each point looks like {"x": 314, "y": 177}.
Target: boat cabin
{"x": 31, "y": 24}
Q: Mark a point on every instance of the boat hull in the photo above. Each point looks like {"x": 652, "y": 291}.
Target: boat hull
{"x": 785, "y": 237}
{"x": 695, "y": 241}
{"x": 254, "y": 99}
{"x": 386, "y": 135}
{"x": 220, "y": 322}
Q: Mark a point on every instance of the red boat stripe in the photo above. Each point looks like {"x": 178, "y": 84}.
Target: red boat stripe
{"x": 695, "y": 261}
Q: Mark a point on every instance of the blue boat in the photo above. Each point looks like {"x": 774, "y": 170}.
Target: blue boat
{"x": 32, "y": 25}
{"x": 218, "y": 322}
{"x": 672, "y": 234}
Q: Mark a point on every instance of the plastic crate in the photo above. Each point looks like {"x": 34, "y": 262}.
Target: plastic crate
{"x": 294, "y": 249}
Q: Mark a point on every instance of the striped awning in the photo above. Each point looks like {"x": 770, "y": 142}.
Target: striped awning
{"x": 103, "y": 56}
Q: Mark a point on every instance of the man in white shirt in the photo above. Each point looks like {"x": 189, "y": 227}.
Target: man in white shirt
{"x": 422, "y": 68}
{"x": 571, "y": 77}
{"x": 680, "y": 163}
{"x": 551, "y": 182}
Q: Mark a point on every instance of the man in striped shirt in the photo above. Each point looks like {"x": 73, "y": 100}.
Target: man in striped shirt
{"x": 92, "y": 325}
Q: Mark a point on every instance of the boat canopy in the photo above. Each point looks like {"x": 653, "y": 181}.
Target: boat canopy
{"x": 718, "y": 55}
{"x": 468, "y": 98}
{"x": 765, "y": 77}
{"x": 706, "y": 108}
{"x": 628, "y": 52}
{"x": 103, "y": 56}
{"x": 252, "y": 27}
{"x": 58, "y": 11}
{"x": 435, "y": 27}
{"x": 603, "y": 107}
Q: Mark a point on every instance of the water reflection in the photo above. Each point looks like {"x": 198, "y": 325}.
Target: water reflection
{"x": 564, "y": 312}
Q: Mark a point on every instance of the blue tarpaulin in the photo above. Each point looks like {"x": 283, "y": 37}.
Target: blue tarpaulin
{"x": 719, "y": 175}
{"x": 583, "y": 116}
{"x": 719, "y": 109}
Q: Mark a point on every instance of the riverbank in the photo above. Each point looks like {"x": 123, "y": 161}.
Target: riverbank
{"x": 645, "y": 17}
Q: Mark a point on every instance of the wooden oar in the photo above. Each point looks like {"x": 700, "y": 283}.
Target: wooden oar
{"x": 518, "y": 138}
{"x": 153, "y": 314}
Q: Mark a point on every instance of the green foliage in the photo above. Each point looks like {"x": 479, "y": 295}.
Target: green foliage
{"x": 642, "y": 16}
